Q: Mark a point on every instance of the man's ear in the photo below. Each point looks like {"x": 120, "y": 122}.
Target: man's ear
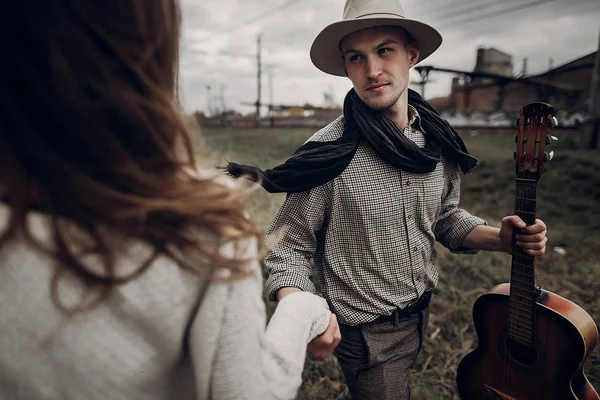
{"x": 413, "y": 55}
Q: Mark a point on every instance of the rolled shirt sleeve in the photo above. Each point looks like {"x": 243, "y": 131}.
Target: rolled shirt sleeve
{"x": 454, "y": 224}
{"x": 293, "y": 240}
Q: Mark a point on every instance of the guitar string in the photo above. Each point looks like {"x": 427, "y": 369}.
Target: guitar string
{"x": 519, "y": 324}
{"x": 510, "y": 328}
{"x": 522, "y": 318}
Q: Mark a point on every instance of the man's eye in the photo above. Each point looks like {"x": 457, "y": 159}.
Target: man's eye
{"x": 384, "y": 50}
{"x": 355, "y": 57}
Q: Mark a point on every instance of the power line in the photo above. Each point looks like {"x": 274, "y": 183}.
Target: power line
{"x": 249, "y": 21}
{"x": 509, "y": 10}
{"x": 459, "y": 11}
{"x": 439, "y": 7}
{"x": 498, "y": 13}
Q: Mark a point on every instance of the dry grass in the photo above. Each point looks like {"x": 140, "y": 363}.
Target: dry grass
{"x": 568, "y": 201}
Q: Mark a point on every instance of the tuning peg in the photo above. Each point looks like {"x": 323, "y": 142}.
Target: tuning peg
{"x": 550, "y": 139}
{"x": 548, "y": 156}
{"x": 553, "y": 122}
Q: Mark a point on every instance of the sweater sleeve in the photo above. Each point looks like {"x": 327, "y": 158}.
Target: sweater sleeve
{"x": 251, "y": 362}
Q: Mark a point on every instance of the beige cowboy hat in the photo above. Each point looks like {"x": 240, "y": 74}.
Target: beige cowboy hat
{"x": 363, "y": 14}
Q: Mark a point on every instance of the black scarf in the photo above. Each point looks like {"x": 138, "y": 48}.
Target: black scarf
{"x": 316, "y": 163}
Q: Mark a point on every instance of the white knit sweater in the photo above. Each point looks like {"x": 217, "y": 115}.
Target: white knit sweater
{"x": 166, "y": 335}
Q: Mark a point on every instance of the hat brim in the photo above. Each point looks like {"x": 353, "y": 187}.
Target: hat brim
{"x": 325, "y": 53}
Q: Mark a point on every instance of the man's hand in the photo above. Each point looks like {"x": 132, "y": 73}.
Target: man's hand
{"x": 322, "y": 346}
{"x": 532, "y": 239}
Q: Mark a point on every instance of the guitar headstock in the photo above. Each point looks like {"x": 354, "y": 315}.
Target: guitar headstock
{"x": 535, "y": 123}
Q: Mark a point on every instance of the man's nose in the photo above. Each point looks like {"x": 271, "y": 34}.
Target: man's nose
{"x": 373, "y": 67}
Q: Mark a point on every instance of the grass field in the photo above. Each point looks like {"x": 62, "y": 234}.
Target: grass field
{"x": 568, "y": 201}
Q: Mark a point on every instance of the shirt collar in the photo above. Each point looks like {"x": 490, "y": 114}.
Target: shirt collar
{"x": 413, "y": 115}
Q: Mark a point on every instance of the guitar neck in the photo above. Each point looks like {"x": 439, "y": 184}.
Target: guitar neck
{"x": 522, "y": 282}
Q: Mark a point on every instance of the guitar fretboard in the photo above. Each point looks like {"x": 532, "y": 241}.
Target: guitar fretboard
{"x": 522, "y": 281}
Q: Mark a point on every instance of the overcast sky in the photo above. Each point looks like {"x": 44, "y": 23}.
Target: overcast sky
{"x": 219, "y": 43}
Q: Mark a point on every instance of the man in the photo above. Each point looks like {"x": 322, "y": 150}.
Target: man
{"x": 369, "y": 195}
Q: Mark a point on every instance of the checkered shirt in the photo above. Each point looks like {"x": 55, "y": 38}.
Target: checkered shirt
{"x": 370, "y": 232}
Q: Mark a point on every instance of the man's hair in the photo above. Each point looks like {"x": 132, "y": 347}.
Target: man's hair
{"x": 91, "y": 134}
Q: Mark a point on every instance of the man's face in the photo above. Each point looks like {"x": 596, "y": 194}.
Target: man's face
{"x": 377, "y": 61}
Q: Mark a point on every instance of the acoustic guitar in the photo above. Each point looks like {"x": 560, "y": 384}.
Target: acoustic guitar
{"x": 531, "y": 343}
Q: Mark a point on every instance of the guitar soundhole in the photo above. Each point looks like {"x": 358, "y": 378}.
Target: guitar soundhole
{"x": 520, "y": 353}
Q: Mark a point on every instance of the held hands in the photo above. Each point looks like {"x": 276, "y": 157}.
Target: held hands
{"x": 532, "y": 239}
{"x": 299, "y": 307}
{"x": 322, "y": 346}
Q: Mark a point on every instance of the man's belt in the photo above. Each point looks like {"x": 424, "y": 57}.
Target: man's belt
{"x": 414, "y": 308}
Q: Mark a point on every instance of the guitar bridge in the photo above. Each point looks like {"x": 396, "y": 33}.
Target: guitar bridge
{"x": 493, "y": 394}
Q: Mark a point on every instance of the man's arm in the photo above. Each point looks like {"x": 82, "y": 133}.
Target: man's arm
{"x": 292, "y": 238}
{"x": 294, "y": 230}
{"x": 462, "y": 232}
{"x": 455, "y": 224}
{"x": 532, "y": 239}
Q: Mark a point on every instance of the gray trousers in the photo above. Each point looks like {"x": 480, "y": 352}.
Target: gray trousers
{"x": 376, "y": 357}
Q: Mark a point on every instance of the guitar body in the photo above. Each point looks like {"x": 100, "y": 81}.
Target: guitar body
{"x": 500, "y": 369}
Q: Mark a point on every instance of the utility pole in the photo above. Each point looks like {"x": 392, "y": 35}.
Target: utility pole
{"x": 259, "y": 71}
{"x": 594, "y": 110}
{"x": 209, "y": 104}
{"x": 222, "y": 101}
{"x": 271, "y": 116}
{"x": 222, "y": 98}
{"x": 270, "y": 90}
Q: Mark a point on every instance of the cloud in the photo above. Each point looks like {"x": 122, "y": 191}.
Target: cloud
{"x": 219, "y": 43}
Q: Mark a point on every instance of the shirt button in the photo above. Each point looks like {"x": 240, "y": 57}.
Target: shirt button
{"x": 415, "y": 249}
{"x": 409, "y": 216}
{"x": 407, "y": 183}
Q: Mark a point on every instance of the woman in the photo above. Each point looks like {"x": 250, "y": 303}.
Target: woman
{"x": 123, "y": 275}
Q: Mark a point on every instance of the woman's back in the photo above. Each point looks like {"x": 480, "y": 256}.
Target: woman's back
{"x": 134, "y": 345}
{"x": 165, "y": 335}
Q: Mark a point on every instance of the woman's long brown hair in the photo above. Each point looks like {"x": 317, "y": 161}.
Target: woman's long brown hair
{"x": 91, "y": 133}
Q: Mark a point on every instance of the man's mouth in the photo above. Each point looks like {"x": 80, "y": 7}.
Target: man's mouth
{"x": 376, "y": 86}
